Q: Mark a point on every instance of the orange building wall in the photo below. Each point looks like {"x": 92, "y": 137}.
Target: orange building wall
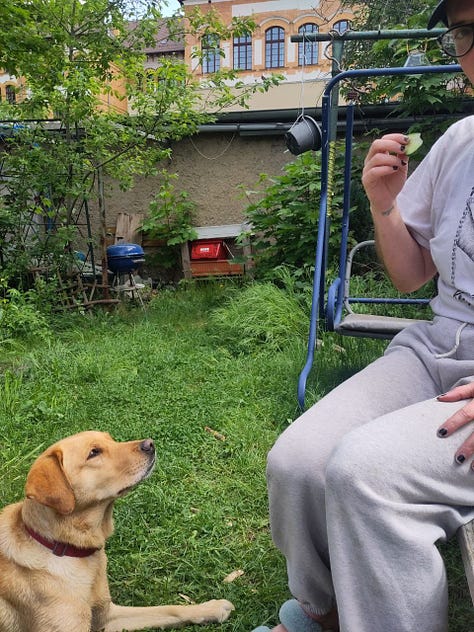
{"x": 113, "y": 100}
{"x": 289, "y": 15}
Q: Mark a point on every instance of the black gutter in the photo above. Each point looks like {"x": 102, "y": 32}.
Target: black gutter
{"x": 367, "y": 117}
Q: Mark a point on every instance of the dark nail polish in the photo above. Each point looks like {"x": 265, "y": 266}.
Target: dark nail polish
{"x": 442, "y": 395}
{"x": 442, "y": 432}
{"x": 395, "y": 168}
{"x": 402, "y": 148}
{"x": 404, "y": 162}
{"x": 460, "y": 458}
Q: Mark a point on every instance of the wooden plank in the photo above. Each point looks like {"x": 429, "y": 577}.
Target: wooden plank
{"x": 206, "y": 268}
{"x": 186, "y": 261}
{"x": 128, "y": 228}
{"x": 466, "y": 544}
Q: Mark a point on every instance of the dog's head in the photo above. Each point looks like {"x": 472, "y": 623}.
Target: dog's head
{"x": 88, "y": 469}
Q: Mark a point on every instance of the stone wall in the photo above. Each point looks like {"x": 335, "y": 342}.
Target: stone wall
{"x": 211, "y": 168}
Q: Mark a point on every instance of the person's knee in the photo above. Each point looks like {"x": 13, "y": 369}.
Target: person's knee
{"x": 355, "y": 464}
{"x": 280, "y": 461}
{"x": 289, "y": 461}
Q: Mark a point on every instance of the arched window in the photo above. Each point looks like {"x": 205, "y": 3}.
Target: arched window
{"x": 211, "y": 59}
{"x": 342, "y": 26}
{"x": 308, "y": 51}
{"x": 10, "y": 94}
{"x": 243, "y": 52}
{"x": 275, "y": 47}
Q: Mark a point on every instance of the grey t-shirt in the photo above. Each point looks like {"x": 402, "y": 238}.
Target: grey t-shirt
{"x": 437, "y": 205}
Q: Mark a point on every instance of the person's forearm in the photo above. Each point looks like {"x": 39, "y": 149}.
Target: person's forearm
{"x": 408, "y": 264}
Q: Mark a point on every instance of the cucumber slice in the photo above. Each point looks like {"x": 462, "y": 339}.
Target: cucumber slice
{"x": 414, "y": 143}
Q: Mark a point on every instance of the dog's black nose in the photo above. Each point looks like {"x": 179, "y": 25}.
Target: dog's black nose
{"x": 147, "y": 446}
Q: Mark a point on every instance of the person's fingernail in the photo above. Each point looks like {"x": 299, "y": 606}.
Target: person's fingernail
{"x": 395, "y": 167}
{"x": 442, "y": 432}
{"x": 404, "y": 162}
{"x": 406, "y": 139}
{"x": 460, "y": 458}
{"x": 442, "y": 395}
{"x": 402, "y": 147}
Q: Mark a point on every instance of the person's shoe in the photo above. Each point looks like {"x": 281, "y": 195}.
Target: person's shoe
{"x": 295, "y": 619}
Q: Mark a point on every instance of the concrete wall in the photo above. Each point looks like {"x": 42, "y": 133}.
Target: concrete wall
{"x": 211, "y": 168}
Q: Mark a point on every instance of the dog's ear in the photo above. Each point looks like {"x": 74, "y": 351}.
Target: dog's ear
{"x": 48, "y": 485}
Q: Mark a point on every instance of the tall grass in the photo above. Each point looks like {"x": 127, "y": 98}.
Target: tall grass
{"x": 261, "y": 316}
{"x": 188, "y": 366}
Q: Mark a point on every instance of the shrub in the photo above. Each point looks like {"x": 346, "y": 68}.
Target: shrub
{"x": 20, "y": 319}
{"x": 285, "y": 219}
{"x": 170, "y": 218}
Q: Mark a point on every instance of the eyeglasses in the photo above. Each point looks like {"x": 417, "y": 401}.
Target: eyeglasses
{"x": 458, "y": 40}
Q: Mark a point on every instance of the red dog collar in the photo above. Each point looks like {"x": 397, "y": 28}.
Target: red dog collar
{"x": 60, "y": 548}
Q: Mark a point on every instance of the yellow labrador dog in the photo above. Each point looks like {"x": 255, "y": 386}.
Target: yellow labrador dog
{"x": 52, "y": 558}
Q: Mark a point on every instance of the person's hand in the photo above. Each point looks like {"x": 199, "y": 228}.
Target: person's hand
{"x": 462, "y": 417}
{"x": 385, "y": 171}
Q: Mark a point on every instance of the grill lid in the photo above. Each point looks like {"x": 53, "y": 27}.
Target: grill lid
{"x": 125, "y": 250}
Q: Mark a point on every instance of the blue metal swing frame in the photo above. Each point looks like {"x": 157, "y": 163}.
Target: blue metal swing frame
{"x": 329, "y": 306}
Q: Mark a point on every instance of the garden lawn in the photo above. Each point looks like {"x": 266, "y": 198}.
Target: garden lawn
{"x": 185, "y": 368}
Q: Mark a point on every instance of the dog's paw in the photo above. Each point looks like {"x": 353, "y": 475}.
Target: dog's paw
{"x": 215, "y": 610}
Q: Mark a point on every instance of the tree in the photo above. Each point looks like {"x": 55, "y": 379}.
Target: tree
{"x": 71, "y": 54}
{"x": 283, "y": 214}
{"x": 16, "y": 16}
{"x": 416, "y": 94}
{"x": 376, "y": 15}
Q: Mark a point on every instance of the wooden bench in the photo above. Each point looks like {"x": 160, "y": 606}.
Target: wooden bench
{"x": 466, "y": 544}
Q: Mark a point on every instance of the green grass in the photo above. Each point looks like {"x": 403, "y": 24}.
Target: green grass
{"x": 184, "y": 365}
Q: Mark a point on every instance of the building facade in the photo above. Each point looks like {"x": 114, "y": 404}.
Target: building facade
{"x": 305, "y": 67}
{"x": 12, "y": 89}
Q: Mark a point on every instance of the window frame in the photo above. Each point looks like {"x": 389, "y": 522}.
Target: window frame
{"x": 336, "y": 26}
{"x": 242, "y": 52}
{"x": 211, "y": 58}
{"x": 275, "y": 47}
{"x": 304, "y": 47}
{"x": 10, "y": 94}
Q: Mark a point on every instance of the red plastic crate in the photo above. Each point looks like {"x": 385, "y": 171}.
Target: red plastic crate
{"x": 207, "y": 250}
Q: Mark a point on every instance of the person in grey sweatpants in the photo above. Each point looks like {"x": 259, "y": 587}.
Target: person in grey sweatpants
{"x": 363, "y": 485}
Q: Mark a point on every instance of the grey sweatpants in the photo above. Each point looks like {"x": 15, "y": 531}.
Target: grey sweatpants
{"x": 361, "y": 487}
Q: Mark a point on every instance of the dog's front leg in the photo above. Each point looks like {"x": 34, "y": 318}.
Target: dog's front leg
{"x": 121, "y": 618}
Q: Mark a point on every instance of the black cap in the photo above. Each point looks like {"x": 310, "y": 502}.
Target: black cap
{"x": 439, "y": 15}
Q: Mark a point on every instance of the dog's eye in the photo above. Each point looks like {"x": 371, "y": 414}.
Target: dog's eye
{"x": 93, "y": 453}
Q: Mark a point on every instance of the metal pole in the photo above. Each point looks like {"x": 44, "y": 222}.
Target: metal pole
{"x": 368, "y": 35}
{"x": 103, "y": 226}
{"x": 337, "y": 51}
